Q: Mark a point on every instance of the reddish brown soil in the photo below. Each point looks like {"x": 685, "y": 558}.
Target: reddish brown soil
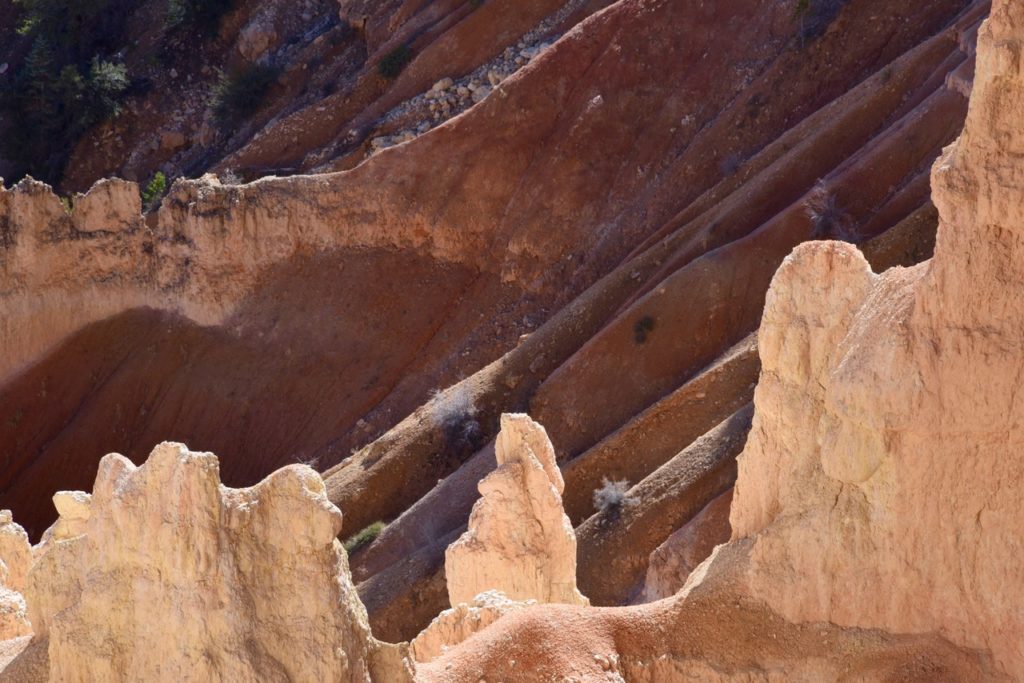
{"x": 322, "y": 357}
{"x": 712, "y": 626}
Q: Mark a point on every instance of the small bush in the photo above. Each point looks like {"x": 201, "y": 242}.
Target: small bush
{"x": 642, "y": 328}
{"x": 612, "y": 496}
{"x": 828, "y": 220}
{"x": 204, "y": 15}
{"x": 815, "y": 16}
{"x": 240, "y": 94}
{"x": 364, "y": 538}
{"x": 393, "y": 62}
{"x": 154, "y": 191}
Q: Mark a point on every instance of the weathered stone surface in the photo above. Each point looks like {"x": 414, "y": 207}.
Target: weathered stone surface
{"x": 15, "y": 552}
{"x": 225, "y": 584}
{"x": 454, "y": 625}
{"x": 520, "y": 541}
{"x": 15, "y": 560}
{"x": 881, "y": 484}
{"x": 673, "y": 561}
{"x": 111, "y": 205}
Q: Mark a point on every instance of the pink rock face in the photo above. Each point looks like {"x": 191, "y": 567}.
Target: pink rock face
{"x": 15, "y": 559}
{"x": 881, "y": 482}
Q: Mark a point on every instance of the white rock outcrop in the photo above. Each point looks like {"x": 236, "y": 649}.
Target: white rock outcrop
{"x": 520, "y": 541}
{"x": 166, "y": 575}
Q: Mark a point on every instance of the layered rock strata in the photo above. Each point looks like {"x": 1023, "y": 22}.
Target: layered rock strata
{"x": 878, "y": 493}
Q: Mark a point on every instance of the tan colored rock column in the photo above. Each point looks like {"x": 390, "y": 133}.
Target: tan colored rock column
{"x": 520, "y": 541}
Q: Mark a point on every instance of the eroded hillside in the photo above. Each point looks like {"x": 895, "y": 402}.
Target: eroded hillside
{"x": 586, "y": 234}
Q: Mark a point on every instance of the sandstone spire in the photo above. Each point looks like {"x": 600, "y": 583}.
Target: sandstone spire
{"x": 520, "y": 541}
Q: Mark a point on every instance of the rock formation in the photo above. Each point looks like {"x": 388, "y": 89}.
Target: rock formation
{"x": 673, "y": 561}
{"x": 882, "y": 479}
{"x": 878, "y": 493}
{"x": 628, "y": 216}
{"x": 455, "y": 625}
{"x": 520, "y": 541}
{"x": 166, "y": 575}
{"x": 677, "y": 174}
{"x": 15, "y": 560}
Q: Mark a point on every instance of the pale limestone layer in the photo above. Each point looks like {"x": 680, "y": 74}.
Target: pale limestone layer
{"x": 881, "y": 482}
{"x": 173, "y": 577}
{"x": 15, "y": 560}
{"x": 520, "y": 541}
{"x": 455, "y": 625}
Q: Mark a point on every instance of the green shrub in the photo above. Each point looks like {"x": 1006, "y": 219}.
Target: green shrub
{"x": 393, "y": 62}
{"x": 364, "y": 538}
{"x": 67, "y": 82}
{"x": 204, "y": 15}
{"x": 240, "y": 94}
{"x": 154, "y": 191}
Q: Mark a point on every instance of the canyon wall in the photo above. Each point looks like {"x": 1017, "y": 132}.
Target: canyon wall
{"x": 65, "y": 265}
{"x": 876, "y": 511}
